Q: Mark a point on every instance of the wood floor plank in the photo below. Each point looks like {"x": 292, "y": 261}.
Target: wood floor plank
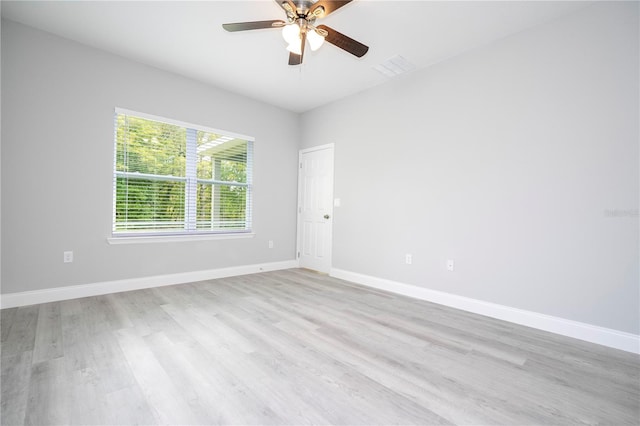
{"x": 165, "y": 399}
{"x": 48, "y": 402}
{"x": 298, "y": 347}
{"x": 14, "y": 385}
{"x": 6, "y": 321}
{"x": 127, "y": 406}
{"x": 88, "y": 404}
{"x": 282, "y": 399}
{"x": 143, "y": 311}
{"x": 21, "y": 336}
{"x": 236, "y": 398}
{"x": 48, "y": 338}
{"x": 204, "y": 402}
{"x": 209, "y": 394}
{"x": 430, "y": 394}
{"x": 323, "y": 378}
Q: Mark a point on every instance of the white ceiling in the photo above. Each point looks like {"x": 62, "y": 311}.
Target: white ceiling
{"x": 187, "y": 38}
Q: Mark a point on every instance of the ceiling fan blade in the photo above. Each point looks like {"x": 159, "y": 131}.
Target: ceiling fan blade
{"x": 255, "y": 25}
{"x": 295, "y": 59}
{"x": 343, "y": 42}
{"x": 329, "y": 6}
{"x": 288, "y": 6}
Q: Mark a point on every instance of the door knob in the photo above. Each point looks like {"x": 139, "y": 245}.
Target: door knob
{"x": 326, "y": 216}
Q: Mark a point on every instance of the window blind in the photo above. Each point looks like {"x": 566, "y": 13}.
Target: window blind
{"x": 177, "y": 178}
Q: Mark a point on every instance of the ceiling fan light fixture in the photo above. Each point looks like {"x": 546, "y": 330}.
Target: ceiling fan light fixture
{"x": 315, "y": 40}
{"x": 295, "y": 48}
{"x": 291, "y": 34}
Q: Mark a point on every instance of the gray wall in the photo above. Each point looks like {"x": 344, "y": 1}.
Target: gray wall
{"x": 0, "y": 151}
{"x": 518, "y": 160}
{"x": 57, "y": 158}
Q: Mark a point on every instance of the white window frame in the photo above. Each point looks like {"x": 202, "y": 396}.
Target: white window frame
{"x": 190, "y": 233}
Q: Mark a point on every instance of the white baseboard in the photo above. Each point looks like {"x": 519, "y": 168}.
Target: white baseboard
{"x": 578, "y": 330}
{"x": 24, "y": 298}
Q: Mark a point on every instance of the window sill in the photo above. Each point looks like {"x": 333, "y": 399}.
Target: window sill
{"x": 176, "y": 238}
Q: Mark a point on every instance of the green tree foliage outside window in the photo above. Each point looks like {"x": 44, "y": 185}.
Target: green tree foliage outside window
{"x": 157, "y": 164}
{"x": 221, "y": 205}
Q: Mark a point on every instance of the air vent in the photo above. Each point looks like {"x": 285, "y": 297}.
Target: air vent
{"x": 395, "y": 66}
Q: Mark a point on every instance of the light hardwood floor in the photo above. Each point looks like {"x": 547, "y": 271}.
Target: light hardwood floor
{"x": 295, "y": 347}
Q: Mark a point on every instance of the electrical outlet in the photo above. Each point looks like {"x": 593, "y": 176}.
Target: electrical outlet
{"x": 408, "y": 259}
{"x": 270, "y": 244}
{"x": 67, "y": 257}
{"x": 450, "y": 265}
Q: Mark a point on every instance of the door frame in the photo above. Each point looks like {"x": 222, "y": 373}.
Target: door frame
{"x": 301, "y": 152}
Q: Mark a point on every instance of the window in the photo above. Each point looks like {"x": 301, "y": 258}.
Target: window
{"x": 176, "y": 178}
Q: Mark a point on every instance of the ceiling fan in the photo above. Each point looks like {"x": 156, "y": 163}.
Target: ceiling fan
{"x": 299, "y": 27}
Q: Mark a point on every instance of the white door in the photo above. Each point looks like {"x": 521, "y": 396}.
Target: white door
{"x": 315, "y": 208}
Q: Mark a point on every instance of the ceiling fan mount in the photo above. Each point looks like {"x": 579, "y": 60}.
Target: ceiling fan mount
{"x": 300, "y": 27}
{"x": 300, "y": 8}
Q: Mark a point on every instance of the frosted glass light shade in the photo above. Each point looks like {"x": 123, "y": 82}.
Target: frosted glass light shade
{"x": 315, "y": 40}
{"x": 295, "y": 48}
{"x": 291, "y": 33}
